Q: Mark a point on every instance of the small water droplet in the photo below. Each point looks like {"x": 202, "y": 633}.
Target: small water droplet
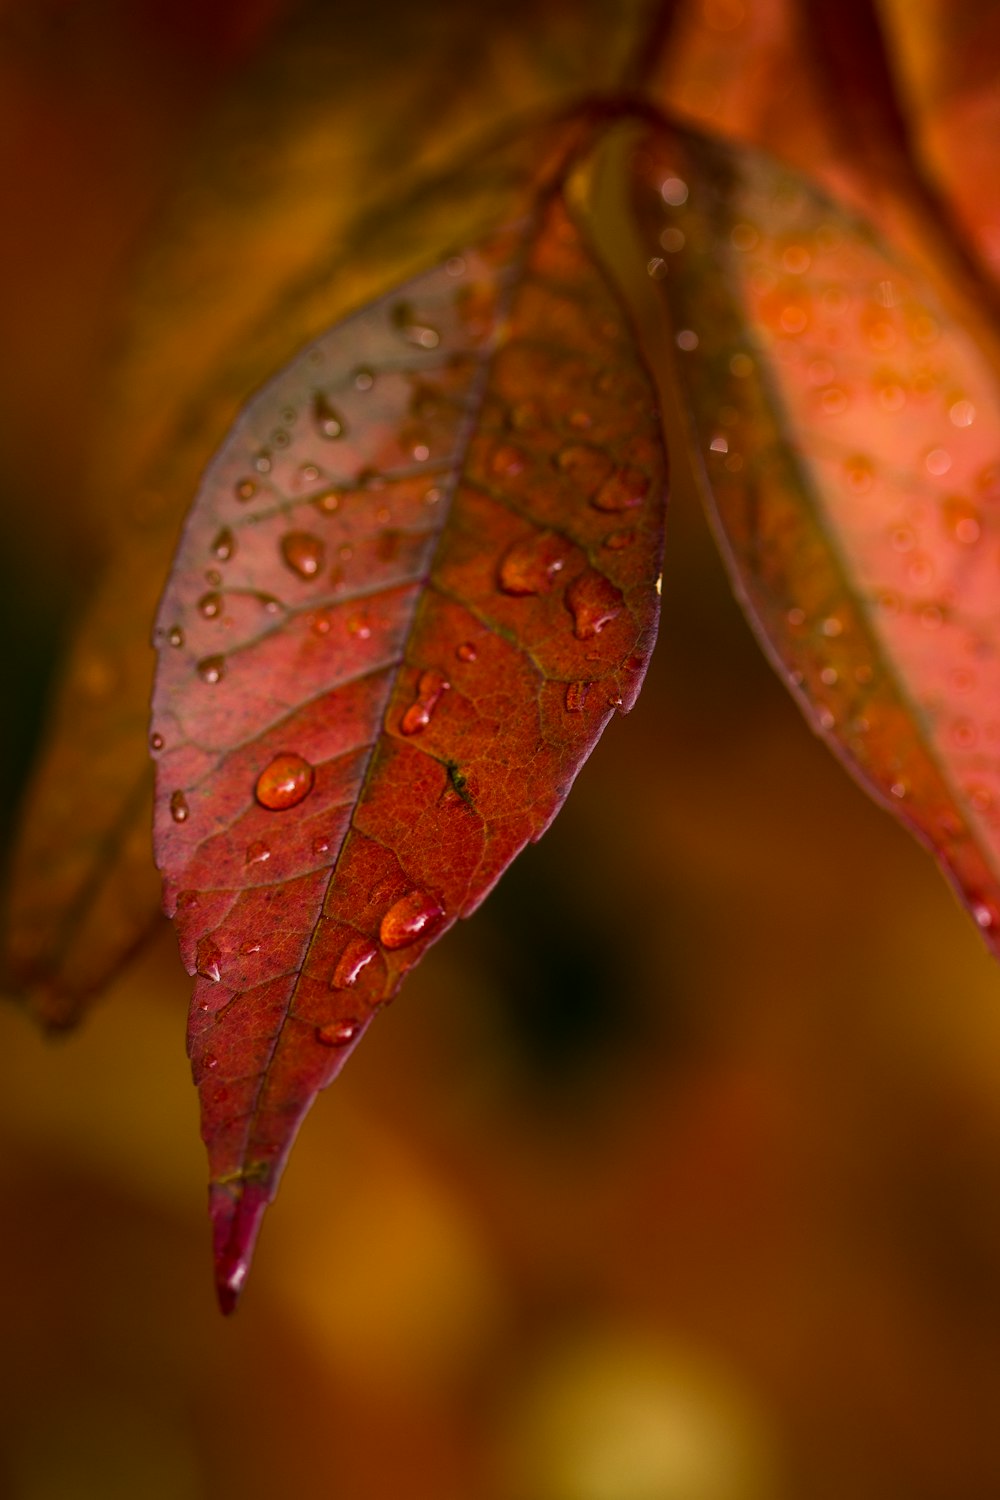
{"x": 593, "y": 602}
{"x": 187, "y": 900}
{"x": 412, "y": 916}
{"x": 858, "y": 473}
{"x": 303, "y": 553}
{"x": 262, "y": 463}
{"x": 430, "y": 690}
{"x": 508, "y": 460}
{"x": 421, "y": 334}
{"x": 421, "y": 452}
{"x": 285, "y": 782}
{"x": 625, "y": 489}
{"x": 246, "y": 489}
{"x": 321, "y": 844}
{"x": 250, "y": 947}
{"x": 179, "y": 810}
{"x": 257, "y": 853}
{"x": 433, "y": 496}
{"x": 358, "y": 626}
{"x": 209, "y": 605}
{"x": 983, "y": 914}
{"x": 175, "y": 636}
{"x": 898, "y": 789}
{"x": 338, "y": 1033}
{"x": 328, "y": 422}
{"x": 208, "y": 959}
{"x": 357, "y": 955}
{"x": 328, "y": 502}
{"x": 213, "y": 576}
{"x": 212, "y": 668}
{"x": 308, "y": 473}
{"x": 576, "y": 696}
{"x": 531, "y": 565}
{"x": 224, "y": 544}
{"x": 466, "y": 651}
{"x": 210, "y": 1061}
{"x": 156, "y": 741}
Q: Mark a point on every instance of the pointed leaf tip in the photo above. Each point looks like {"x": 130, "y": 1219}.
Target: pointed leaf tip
{"x": 236, "y": 1212}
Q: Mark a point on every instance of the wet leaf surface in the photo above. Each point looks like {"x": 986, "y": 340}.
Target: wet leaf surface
{"x": 847, "y": 429}
{"x": 403, "y": 610}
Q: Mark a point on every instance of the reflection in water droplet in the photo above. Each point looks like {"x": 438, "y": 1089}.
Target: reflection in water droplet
{"x": 338, "y": 1033}
{"x": 357, "y": 955}
{"x": 175, "y": 636}
{"x": 262, "y": 463}
{"x": 593, "y": 602}
{"x": 224, "y": 545}
{"x": 208, "y": 958}
{"x": 178, "y": 807}
{"x": 209, "y": 605}
{"x": 625, "y": 489}
{"x": 211, "y": 668}
{"x": 246, "y": 489}
{"x": 328, "y": 422}
{"x": 466, "y": 651}
{"x": 257, "y": 853}
{"x": 430, "y": 690}
{"x": 531, "y": 565}
{"x": 285, "y": 782}
{"x": 413, "y": 915}
{"x": 576, "y": 696}
{"x": 303, "y": 553}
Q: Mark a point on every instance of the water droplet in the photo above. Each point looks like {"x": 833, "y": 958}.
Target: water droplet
{"x": 213, "y": 576}
{"x": 687, "y": 340}
{"x": 625, "y": 489}
{"x": 262, "y": 463}
{"x": 224, "y": 545}
{"x": 983, "y": 914}
{"x": 209, "y": 605}
{"x": 358, "y": 953}
{"x": 719, "y": 444}
{"x": 250, "y": 947}
{"x": 210, "y": 1061}
{"x": 673, "y": 190}
{"x": 585, "y": 465}
{"x": 415, "y": 332}
{"x": 466, "y": 651}
{"x": 412, "y": 916}
{"x": 308, "y": 473}
{"x": 508, "y": 460}
{"x": 359, "y": 627}
{"x": 175, "y": 635}
{"x": 257, "y": 853}
{"x": 303, "y": 553}
{"x": 187, "y": 900}
{"x": 617, "y": 540}
{"x": 328, "y": 422}
{"x": 593, "y": 602}
{"x": 433, "y": 496}
{"x": 430, "y": 690}
{"x": 962, "y": 414}
{"x": 531, "y": 565}
{"x": 338, "y": 1033}
{"x": 328, "y": 502}
{"x": 576, "y": 696}
{"x": 286, "y": 782}
{"x": 212, "y": 668}
{"x": 364, "y": 379}
{"x": 156, "y": 741}
{"x": 321, "y": 844}
{"x": 898, "y": 789}
{"x": 964, "y": 734}
{"x": 246, "y": 489}
{"x": 208, "y": 958}
{"x": 179, "y": 810}
{"x": 421, "y": 452}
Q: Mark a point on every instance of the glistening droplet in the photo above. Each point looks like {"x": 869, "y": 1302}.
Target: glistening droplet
{"x": 179, "y": 809}
{"x": 357, "y": 955}
{"x": 414, "y": 915}
{"x": 285, "y": 782}
{"x": 212, "y": 668}
{"x": 257, "y": 853}
{"x": 329, "y": 422}
{"x": 466, "y": 651}
{"x": 209, "y": 605}
{"x": 338, "y": 1033}
{"x": 303, "y": 553}
{"x": 430, "y": 689}
{"x": 224, "y": 545}
{"x": 531, "y": 565}
{"x": 175, "y": 636}
{"x": 593, "y": 602}
{"x": 208, "y": 958}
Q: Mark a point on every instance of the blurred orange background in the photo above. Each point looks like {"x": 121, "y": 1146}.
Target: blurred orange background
{"x": 672, "y": 1175}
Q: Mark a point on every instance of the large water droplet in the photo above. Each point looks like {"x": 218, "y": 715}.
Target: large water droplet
{"x": 212, "y": 668}
{"x": 593, "y": 602}
{"x": 338, "y": 1033}
{"x": 625, "y": 489}
{"x": 224, "y": 545}
{"x": 329, "y": 422}
{"x": 208, "y": 958}
{"x": 414, "y": 915}
{"x": 303, "y": 553}
{"x": 531, "y": 565}
{"x": 286, "y": 782}
{"x": 430, "y": 689}
{"x": 179, "y": 809}
{"x": 356, "y": 956}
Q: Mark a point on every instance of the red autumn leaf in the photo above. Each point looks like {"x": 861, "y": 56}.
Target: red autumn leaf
{"x": 416, "y": 583}
{"x": 848, "y": 429}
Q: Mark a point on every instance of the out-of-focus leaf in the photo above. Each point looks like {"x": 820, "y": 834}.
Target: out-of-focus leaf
{"x": 417, "y": 582}
{"x": 335, "y": 171}
{"x": 848, "y": 430}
